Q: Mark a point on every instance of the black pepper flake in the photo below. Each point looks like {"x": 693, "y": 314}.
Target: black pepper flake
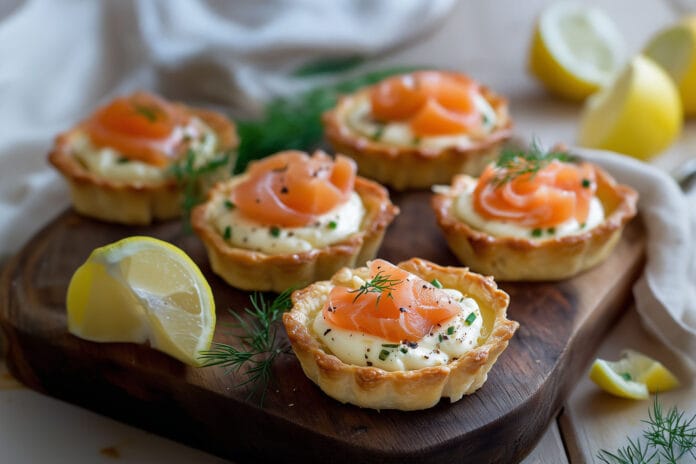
{"x": 383, "y": 355}
{"x": 326, "y": 332}
{"x": 412, "y": 345}
{"x": 368, "y": 350}
{"x": 369, "y": 363}
{"x": 365, "y": 356}
{"x": 425, "y": 356}
{"x": 403, "y": 310}
{"x": 257, "y": 200}
{"x": 275, "y": 231}
{"x": 284, "y": 189}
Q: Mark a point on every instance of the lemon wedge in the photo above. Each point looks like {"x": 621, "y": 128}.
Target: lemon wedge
{"x": 674, "y": 49}
{"x": 640, "y": 114}
{"x": 634, "y": 376}
{"x": 575, "y": 50}
{"x": 142, "y": 289}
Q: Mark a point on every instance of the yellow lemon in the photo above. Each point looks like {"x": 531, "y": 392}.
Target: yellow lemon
{"x": 675, "y": 50}
{"x": 633, "y": 376}
{"x": 575, "y": 50}
{"x": 141, "y": 289}
{"x": 639, "y": 114}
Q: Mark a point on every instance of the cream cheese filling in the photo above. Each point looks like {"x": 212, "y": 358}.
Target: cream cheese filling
{"x": 111, "y": 164}
{"x": 358, "y": 117}
{"x": 242, "y": 232}
{"x": 447, "y": 341}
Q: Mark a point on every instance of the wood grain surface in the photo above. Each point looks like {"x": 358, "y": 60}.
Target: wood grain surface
{"x": 560, "y": 326}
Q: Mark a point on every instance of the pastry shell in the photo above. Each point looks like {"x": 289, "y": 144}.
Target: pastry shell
{"x": 255, "y": 270}
{"x": 372, "y": 387}
{"x": 520, "y": 258}
{"x": 411, "y": 167}
{"x": 132, "y": 203}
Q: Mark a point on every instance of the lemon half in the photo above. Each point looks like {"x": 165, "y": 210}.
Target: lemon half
{"x": 575, "y": 50}
{"x": 634, "y": 376}
{"x": 639, "y": 114}
{"x": 674, "y": 49}
{"x": 139, "y": 290}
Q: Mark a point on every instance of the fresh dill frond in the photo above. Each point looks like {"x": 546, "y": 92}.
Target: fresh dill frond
{"x": 379, "y": 284}
{"x": 669, "y": 437}
{"x": 257, "y": 345}
{"x": 516, "y": 162}
{"x": 192, "y": 179}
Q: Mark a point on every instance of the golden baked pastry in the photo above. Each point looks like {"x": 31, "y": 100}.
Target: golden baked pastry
{"x": 292, "y": 219}
{"x": 419, "y": 129}
{"x": 534, "y": 217}
{"x": 388, "y": 337}
{"x": 118, "y": 162}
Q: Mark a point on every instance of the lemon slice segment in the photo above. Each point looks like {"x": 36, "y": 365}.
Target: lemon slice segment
{"x": 640, "y": 114}
{"x": 633, "y": 376}
{"x": 142, "y": 289}
{"x": 674, "y": 48}
{"x": 575, "y": 50}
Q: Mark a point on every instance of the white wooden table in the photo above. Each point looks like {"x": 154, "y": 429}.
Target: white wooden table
{"x": 489, "y": 41}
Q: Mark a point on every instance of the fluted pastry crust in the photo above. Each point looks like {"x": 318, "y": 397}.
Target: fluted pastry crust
{"x": 521, "y": 258}
{"x": 372, "y": 387}
{"x": 255, "y": 270}
{"x": 414, "y": 167}
{"x": 130, "y": 202}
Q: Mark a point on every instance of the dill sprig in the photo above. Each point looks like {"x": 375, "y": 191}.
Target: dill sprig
{"x": 295, "y": 123}
{"x": 258, "y": 343}
{"x": 191, "y": 179}
{"x": 668, "y": 437}
{"x": 516, "y": 162}
{"x": 379, "y": 284}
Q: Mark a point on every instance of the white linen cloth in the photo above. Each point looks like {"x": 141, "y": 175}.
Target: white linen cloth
{"x": 58, "y": 59}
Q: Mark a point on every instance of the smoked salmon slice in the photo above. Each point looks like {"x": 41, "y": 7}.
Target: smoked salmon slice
{"x": 434, "y": 103}
{"x": 557, "y": 192}
{"x": 140, "y": 127}
{"x": 394, "y": 305}
{"x": 291, "y": 189}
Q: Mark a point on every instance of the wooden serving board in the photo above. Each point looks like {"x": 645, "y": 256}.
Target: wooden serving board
{"x": 560, "y": 326}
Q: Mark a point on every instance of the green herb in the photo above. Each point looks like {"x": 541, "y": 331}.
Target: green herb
{"x": 626, "y": 376}
{"x": 332, "y": 225}
{"x": 191, "y": 179}
{"x": 229, "y": 204}
{"x": 147, "y": 112}
{"x": 582, "y": 226}
{"x": 485, "y": 120}
{"x": 450, "y": 330}
{"x": 379, "y": 284}
{"x": 586, "y": 183}
{"x": 122, "y": 160}
{"x": 436, "y": 283}
{"x": 537, "y": 233}
{"x": 329, "y": 66}
{"x": 295, "y": 123}
{"x": 390, "y": 345}
{"x": 258, "y": 342}
{"x": 514, "y": 163}
{"x": 470, "y": 318}
{"x": 669, "y": 437}
{"x": 383, "y": 355}
{"x": 416, "y": 141}
{"x": 551, "y": 230}
{"x": 404, "y": 349}
{"x": 228, "y": 233}
{"x": 275, "y": 231}
{"x": 377, "y": 136}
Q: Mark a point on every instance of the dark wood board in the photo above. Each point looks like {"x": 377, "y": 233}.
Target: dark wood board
{"x": 560, "y": 326}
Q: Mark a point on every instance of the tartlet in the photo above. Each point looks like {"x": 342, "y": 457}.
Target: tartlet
{"x": 254, "y": 264}
{"x": 544, "y": 253}
{"x": 130, "y": 179}
{"x": 416, "y": 130}
{"x": 373, "y": 387}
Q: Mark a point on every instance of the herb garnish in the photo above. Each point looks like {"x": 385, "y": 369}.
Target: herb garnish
{"x": 470, "y": 318}
{"x": 383, "y": 355}
{"x": 332, "y": 225}
{"x": 514, "y": 163}
{"x": 149, "y": 113}
{"x": 436, "y": 283}
{"x": 122, "y": 160}
{"x": 626, "y": 376}
{"x": 258, "y": 343}
{"x": 228, "y": 233}
{"x": 229, "y": 204}
{"x": 450, "y": 330}
{"x": 669, "y": 437}
{"x": 275, "y": 231}
{"x": 536, "y": 232}
{"x": 586, "y": 183}
{"x": 379, "y": 284}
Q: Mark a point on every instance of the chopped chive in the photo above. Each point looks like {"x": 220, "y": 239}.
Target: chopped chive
{"x": 228, "y": 233}
{"x": 485, "y": 119}
{"x": 536, "y": 233}
{"x": 551, "y": 230}
{"x": 229, "y": 204}
{"x": 586, "y": 183}
{"x": 436, "y": 283}
{"x": 332, "y": 225}
{"x": 275, "y": 231}
{"x": 626, "y": 376}
{"x": 470, "y": 318}
{"x": 123, "y": 160}
{"x": 416, "y": 140}
{"x": 390, "y": 345}
{"x": 582, "y": 226}
{"x": 383, "y": 355}
{"x": 404, "y": 350}
{"x": 378, "y": 133}
{"x": 450, "y": 330}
